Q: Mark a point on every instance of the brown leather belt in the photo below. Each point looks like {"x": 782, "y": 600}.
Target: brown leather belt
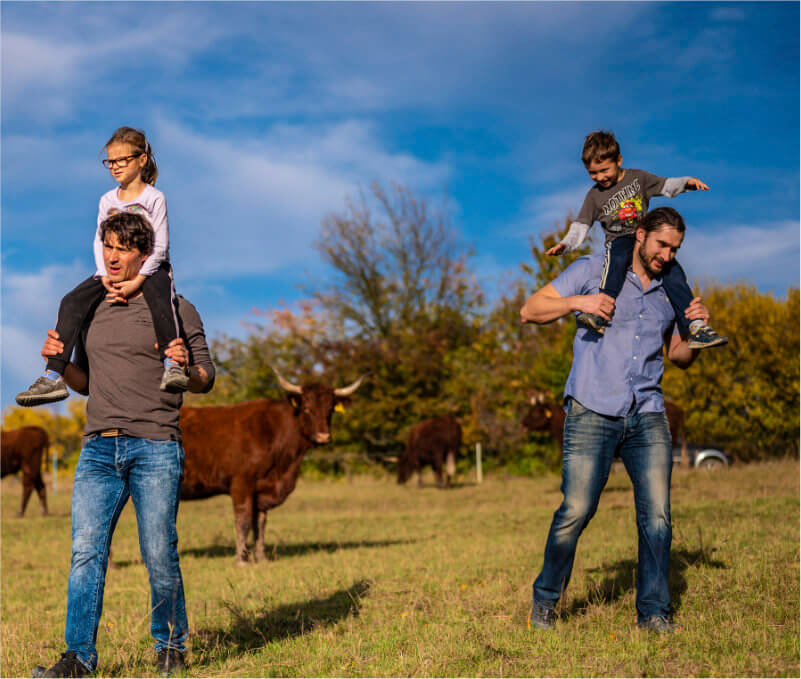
{"x": 113, "y": 433}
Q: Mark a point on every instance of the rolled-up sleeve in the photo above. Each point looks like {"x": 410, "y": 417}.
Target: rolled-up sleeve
{"x": 195, "y": 338}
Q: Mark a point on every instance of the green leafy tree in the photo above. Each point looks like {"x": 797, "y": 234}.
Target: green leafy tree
{"x": 64, "y": 430}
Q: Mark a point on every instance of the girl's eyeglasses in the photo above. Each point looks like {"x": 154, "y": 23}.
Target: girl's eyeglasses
{"x": 119, "y": 162}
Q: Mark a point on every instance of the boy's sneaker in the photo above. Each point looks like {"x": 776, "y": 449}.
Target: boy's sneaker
{"x": 44, "y": 390}
{"x": 593, "y": 322}
{"x": 68, "y": 666}
{"x": 705, "y": 337}
{"x": 169, "y": 662}
{"x": 658, "y": 624}
{"x": 541, "y": 617}
{"x": 174, "y": 379}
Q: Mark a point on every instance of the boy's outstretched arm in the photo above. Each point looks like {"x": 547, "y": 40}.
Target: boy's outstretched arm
{"x": 573, "y": 238}
{"x": 673, "y": 186}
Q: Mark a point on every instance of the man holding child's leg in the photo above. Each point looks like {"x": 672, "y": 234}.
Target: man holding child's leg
{"x": 131, "y": 448}
{"x": 614, "y": 403}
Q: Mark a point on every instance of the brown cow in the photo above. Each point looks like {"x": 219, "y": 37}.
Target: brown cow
{"x": 432, "y": 442}
{"x": 23, "y": 449}
{"x": 252, "y": 451}
{"x": 547, "y": 416}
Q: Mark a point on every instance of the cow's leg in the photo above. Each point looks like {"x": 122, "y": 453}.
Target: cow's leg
{"x": 242, "y": 491}
{"x": 40, "y": 490}
{"x": 259, "y": 520}
{"x": 450, "y": 466}
{"x": 27, "y": 489}
{"x": 437, "y": 465}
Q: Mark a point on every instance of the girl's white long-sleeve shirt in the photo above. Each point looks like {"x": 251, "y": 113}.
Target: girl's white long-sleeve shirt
{"x": 152, "y": 205}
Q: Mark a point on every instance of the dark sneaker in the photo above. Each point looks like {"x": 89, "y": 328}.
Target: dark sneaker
{"x": 169, "y": 662}
{"x": 705, "y": 337}
{"x": 68, "y": 666}
{"x": 174, "y": 379}
{"x": 541, "y": 617}
{"x": 42, "y": 391}
{"x": 658, "y": 624}
{"x": 593, "y": 322}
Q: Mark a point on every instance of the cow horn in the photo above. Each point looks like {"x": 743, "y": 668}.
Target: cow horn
{"x": 347, "y": 391}
{"x": 287, "y": 386}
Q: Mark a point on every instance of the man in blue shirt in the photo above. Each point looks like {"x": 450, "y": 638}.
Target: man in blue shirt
{"x": 613, "y": 401}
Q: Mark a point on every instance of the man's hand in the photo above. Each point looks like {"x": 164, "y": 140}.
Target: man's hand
{"x": 52, "y": 345}
{"x": 695, "y": 184}
{"x": 557, "y": 249}
{"x": 697, "y": 311}
{"x": 177, "y": 351}
{"x": 601, "y": 304}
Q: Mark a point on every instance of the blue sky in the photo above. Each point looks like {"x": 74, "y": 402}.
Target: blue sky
{"x": 265, "y": 116}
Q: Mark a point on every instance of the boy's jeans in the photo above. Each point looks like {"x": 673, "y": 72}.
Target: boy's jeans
{"x": 617, "y": 260}
{"x": 109, "y": 471}
{"x": 644, "y": 443}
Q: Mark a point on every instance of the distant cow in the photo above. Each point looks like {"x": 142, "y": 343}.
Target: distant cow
{"x": 252, "y": 451}
{"x": 23, "y": 450}
{"x": 548, "y": 416}
{"x": 433, "y": 442}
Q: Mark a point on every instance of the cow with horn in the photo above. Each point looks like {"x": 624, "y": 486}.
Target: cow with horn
{"x": 252, "y": 451}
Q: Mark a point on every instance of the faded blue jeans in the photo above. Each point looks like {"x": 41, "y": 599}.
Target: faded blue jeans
{"x": 110, "y": 471}
{"x": 591, "y": 439}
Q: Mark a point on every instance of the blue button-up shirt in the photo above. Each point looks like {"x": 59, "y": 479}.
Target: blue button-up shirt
{"x": 622, "y": 369}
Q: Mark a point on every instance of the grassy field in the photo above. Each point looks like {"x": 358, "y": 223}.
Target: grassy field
{"x": 366, "y": 578}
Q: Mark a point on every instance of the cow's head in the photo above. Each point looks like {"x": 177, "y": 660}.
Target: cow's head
{"x": 314, "y": 404}
{"x": 540, "y": 414}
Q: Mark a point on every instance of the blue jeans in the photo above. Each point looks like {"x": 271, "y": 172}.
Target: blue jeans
{"x": 643, "y": 440}
{"x": 109, "y": 471}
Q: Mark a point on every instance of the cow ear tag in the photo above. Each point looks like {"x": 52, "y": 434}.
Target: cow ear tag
{"x": 339, "y": 408}
{"x": 548, "y": 413}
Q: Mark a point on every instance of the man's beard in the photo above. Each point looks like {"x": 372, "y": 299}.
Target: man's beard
{"x": 647, "y": 262}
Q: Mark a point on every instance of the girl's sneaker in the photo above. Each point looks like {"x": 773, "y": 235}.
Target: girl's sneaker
{"x": 44, "y": 390}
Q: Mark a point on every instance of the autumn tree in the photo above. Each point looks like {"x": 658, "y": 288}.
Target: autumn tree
{"x": 64, "y": 430}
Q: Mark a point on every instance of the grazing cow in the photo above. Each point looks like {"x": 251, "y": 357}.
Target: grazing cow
{"x": 252, "y": 451}
{"x": 23, "y": 449}
{"x": 432, "y": 442}
{"x": 547, "y": 416}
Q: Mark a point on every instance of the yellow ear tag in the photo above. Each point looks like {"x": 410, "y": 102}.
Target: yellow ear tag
{"x": 548, "y": 413}
{"x": 339, "y": 408}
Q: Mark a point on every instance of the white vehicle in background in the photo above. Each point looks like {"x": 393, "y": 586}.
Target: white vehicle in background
{"x": 703, "y": 458}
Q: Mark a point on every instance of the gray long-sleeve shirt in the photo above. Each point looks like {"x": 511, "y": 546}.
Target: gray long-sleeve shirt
{"x": 620, "y": 207}
{"x": 117, "y": 351}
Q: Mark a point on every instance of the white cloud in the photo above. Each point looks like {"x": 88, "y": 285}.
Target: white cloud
{"x": 253, "y": 206}
{"x": 765, "y": 253}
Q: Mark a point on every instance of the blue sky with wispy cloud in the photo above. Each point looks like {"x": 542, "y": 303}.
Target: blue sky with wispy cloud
{"x": 265, "y": 116}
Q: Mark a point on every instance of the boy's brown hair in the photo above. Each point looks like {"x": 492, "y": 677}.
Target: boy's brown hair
{"x": 599, "y": 146}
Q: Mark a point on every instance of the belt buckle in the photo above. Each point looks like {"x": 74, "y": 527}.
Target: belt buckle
{"x": 110, "y": 433}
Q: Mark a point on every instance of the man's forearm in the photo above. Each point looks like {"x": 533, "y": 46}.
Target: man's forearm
{"x": 545, "y": 308}
{"x": 198, "y": 379}
{"x": 76, "y": 379}
{"x": 680, "y": 354}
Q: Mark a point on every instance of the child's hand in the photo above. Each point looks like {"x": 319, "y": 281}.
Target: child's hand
{"x": 129, "y": 288}
{"x": 697, "y": 311}
{"x": 115, "y": 295}
{"x": 107, "y": 284}
{"x": 695, "y": 184}
{"x": 557, "y": 249}
{"x": 599, "y": 304}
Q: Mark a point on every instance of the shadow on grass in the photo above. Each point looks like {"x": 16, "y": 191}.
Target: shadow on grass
{"x": 254, "y": 629}
{"x": 275, "y": 552}
{"x": 620, "y": 578}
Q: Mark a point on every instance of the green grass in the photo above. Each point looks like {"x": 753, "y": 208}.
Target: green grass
{"x": 367, "y": 578}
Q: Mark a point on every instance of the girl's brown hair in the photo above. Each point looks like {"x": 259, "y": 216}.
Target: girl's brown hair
{"x": 137, "y": 139}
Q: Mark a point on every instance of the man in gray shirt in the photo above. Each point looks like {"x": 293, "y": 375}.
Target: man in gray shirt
{"x": 131, "y": 448}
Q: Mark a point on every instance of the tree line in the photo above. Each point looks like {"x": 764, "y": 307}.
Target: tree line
{"x": 403, "y": 304}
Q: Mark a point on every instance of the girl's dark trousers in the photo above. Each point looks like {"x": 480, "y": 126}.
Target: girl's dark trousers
{"x": 617, "y": 259}
{"x": 79, "y": 305}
